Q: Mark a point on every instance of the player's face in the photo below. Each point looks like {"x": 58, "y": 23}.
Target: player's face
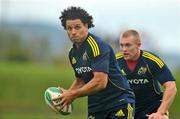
{"x": 77, "y": 31}
{"x": 130, "y": 48}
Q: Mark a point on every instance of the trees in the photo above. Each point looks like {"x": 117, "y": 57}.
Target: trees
{"x": 15, "y": 48}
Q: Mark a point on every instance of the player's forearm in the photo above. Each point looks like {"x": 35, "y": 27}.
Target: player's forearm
{"x": 93, "y": 86}
{"x": 168, "y": 98}
{"x": 78, "y": 83}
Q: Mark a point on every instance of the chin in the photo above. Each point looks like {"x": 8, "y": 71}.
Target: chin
{"x": 126, "y": 58}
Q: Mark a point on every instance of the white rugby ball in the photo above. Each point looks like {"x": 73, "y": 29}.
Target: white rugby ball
{"x": 54, "y": 92}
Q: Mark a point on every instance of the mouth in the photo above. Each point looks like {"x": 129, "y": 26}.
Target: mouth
{"x": 126, "y": 54}
{"x": 74, "y": 37}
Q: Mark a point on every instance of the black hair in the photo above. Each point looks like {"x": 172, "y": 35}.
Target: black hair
{"x": 72, "y": 13}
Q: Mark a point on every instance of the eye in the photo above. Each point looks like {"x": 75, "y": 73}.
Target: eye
{"x": 127, "y": 45}
{"x": 121, "y": 45}
{"x": 77, "y": 27}
{"x": 69, "y": 28}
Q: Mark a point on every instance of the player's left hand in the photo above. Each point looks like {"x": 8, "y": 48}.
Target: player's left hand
{"x": 66, "y": 98}
{"x": 156, "y": 116}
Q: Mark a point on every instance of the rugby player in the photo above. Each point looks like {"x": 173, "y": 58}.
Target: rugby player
{"x": 145, "y": 72}
{"x": 97, "y": 73}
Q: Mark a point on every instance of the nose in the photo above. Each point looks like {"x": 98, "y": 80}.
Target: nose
{"x": 73, "y": 31}
{"x": 123, "y": 48}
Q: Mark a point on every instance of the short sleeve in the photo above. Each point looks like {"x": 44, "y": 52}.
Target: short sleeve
{"x": 163, "y": 75}
{"x": 158, "y": 68}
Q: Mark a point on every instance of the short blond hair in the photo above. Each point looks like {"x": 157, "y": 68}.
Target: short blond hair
{"x": 131, "y": 32}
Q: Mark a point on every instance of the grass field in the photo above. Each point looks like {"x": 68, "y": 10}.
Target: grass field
{"x": 22, "y": 89}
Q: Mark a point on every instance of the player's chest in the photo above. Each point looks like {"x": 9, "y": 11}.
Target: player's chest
{"x": 81, "y": 62}
{"x": 139, "y": 76}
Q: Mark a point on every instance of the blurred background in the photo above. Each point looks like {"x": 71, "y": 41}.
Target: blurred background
{"x": 34, "y": 47}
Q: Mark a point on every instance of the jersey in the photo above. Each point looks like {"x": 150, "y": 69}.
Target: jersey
{"x": 95, "y": 55}
{"x": 146, "y": 78}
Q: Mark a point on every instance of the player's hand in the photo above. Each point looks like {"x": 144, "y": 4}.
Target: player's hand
{"x": 156, "y": 116}
{"x": 65, "y": 99}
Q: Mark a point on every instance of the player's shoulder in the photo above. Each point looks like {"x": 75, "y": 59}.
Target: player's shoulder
{"x": 152, "y": 58}
{"x": 96, "y": 39}
{"x": 96, "y": 45}
{"x": 119, "y": 56}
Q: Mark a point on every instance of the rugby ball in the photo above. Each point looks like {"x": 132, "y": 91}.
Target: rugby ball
{"x": 54, "y": 92}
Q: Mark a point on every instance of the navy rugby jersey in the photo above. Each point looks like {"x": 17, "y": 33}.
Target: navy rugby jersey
{"x": 146, "y": 78}
{"x": 94, "y": 55}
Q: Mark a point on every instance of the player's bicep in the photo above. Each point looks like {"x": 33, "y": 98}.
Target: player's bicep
{"x": 169, "y": 84}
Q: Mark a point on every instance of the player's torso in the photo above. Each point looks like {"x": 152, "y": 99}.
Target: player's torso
{"x": 82, "y": 61}
{"x": 141, "y": 80}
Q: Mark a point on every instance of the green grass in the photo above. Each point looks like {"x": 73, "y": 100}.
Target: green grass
{"x": 38, "y": 116}
{"x": 175, "y": 108}
{"x": 22, "y": 89}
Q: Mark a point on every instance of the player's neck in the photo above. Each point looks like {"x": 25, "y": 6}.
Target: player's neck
{"x": 78, "y": 45}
